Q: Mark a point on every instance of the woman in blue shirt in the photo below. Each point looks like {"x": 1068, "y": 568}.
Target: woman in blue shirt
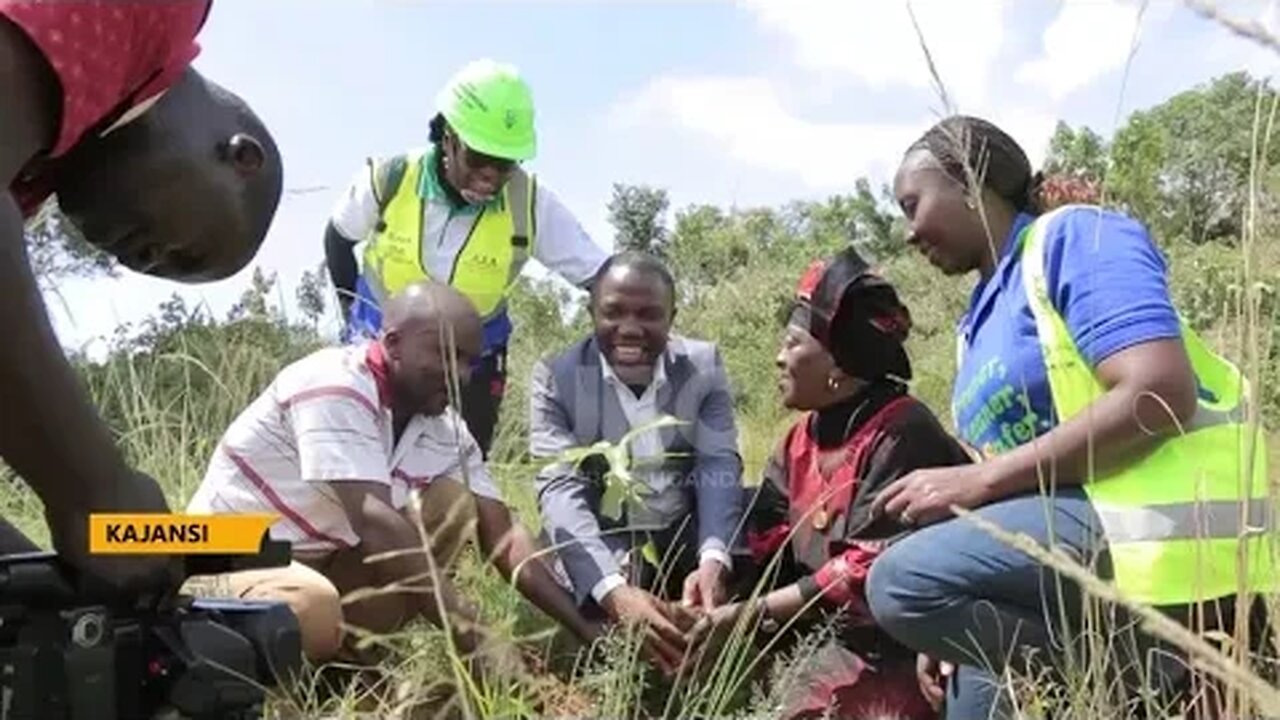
{"x": 951, "y": 591}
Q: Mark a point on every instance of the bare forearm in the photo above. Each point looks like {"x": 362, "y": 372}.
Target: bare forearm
{"x": 341, "y": 260}
{"x": 536, "y": 582}
{"x": 515, "y": 554}
{"x": 49, "y": 432}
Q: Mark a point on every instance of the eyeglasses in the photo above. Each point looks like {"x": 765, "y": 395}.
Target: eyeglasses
{"x": 476, "y": 160}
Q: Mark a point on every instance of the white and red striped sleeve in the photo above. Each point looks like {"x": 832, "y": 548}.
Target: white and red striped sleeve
{"x": 337, "y": 428}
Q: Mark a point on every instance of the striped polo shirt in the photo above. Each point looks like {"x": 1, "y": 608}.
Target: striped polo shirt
{"x": 328, "y": 417}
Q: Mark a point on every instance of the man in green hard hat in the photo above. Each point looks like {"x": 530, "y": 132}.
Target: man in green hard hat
{"x": 462, "y": 211}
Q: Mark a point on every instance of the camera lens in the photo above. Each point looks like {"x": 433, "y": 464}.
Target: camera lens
{"x": 87, "y": 631}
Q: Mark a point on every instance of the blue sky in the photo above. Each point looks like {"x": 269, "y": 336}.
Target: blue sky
{"x": 748, "y": 102}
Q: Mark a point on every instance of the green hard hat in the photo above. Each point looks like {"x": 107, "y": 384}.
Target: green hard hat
{"x": 490, "y": 107}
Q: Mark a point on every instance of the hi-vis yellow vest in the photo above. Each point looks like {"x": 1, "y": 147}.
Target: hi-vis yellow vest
{"x": 1193, "y": 519}
{"x": 495, "y": 252}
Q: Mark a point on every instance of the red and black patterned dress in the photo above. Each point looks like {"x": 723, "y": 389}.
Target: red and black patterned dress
{"x": 814, "y": 508}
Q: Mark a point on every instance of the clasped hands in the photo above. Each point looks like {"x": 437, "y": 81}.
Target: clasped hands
{"x": 675, "y": 632}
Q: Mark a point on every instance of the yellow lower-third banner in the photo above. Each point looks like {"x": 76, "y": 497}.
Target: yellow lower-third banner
{"x": 166, "y": 533}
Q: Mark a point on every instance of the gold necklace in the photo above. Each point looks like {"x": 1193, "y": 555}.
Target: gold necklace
{"x": 821, "y": 518}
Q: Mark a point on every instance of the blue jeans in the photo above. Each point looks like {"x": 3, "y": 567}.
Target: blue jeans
{"x": 957, "y": 594}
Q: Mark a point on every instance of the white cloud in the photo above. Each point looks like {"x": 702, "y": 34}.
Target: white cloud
{"x": 1031, "y": 128}
{"x": 761, "y": 122}
{"x": 1087, "y": 39}
{"x": 747, "y": 119}
{"x": 875, "y": 42}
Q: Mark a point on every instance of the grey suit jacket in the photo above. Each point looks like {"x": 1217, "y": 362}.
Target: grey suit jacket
{"x": 571, "y": 405}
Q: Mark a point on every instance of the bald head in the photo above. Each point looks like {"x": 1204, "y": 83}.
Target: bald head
{"x": 429, "y": 330}
{"x": 426, "y": 304}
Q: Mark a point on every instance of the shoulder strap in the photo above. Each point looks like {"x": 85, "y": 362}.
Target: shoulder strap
{"x": 386, "y": 176}
{"x": 520, "y": 193}
{"x": 1072, "y": 383}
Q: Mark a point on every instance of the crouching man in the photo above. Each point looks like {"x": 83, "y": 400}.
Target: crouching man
{"x": 623, "y": 377}
{"x": 337, "y": 446}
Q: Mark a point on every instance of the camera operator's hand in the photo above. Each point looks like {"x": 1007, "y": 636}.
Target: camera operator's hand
{"x": 113, "y": 575}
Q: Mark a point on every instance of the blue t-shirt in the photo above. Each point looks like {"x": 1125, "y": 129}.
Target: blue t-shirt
{"x": 1105, "y": 277}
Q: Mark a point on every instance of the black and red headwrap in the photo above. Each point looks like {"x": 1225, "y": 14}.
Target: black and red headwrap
{"x": 856, "y": 315}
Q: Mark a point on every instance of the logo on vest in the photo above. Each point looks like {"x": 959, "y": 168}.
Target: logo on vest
{"x": 398, "y": 249}
{"x": 396, "y": 241}
{"x": 483, "y": 262}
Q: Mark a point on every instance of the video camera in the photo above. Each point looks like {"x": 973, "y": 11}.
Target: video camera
{"x": 65, "y": 657}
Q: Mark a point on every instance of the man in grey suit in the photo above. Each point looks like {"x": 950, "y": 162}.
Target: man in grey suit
{"x": 626, "y": 375}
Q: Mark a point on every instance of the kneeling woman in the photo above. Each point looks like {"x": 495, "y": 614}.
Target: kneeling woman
{"x": 1108, "y": 431}
{"x": 810, "y": 527}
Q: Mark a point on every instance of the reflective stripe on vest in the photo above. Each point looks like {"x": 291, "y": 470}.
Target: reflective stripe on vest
{"x": 497, "y": 247}
{"x": 1192, "y": 519}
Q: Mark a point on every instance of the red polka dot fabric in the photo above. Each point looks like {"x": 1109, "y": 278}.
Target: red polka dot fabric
{"x": 108, "y": 54}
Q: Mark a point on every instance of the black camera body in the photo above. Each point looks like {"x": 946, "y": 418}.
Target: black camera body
{"x": 66, "y": 657}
